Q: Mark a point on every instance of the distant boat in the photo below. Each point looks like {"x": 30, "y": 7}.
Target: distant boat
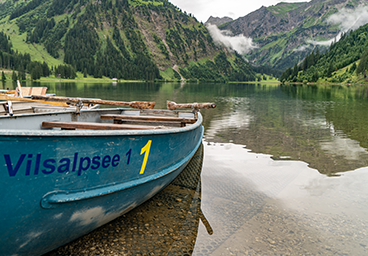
{"x": 66, "y": 173}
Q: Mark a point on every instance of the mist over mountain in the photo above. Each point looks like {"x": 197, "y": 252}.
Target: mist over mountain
{"x": 287, "y": 32}
{"x": 238, "y": 43}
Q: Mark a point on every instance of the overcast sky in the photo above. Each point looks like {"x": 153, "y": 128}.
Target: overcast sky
{"x": 203, "y": 9}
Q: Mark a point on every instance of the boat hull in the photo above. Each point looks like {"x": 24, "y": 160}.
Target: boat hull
{"x": 59, "y": 187}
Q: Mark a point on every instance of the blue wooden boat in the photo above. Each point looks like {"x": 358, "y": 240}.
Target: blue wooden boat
{"x": 63, "y": 174}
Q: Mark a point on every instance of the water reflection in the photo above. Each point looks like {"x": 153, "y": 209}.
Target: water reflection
{"x": 317, "y": 126}
{"x": 258, "y": 206}
{"x": 165, "y": 225}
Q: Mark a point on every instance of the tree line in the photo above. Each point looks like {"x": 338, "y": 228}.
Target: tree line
{"x": 25, "y": 8}
{"x": 22, "y": 63}
{"x": 220, "y": 70}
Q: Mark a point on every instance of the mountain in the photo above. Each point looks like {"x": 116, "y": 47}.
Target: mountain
{"x": 218, "y": 21}
{"x": 345, "y": 61}
{"x": 124, "y": 39}
{"x": 287, "y": 32}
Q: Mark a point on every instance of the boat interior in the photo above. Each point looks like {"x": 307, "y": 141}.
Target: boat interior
{"x": 44, "y": 112}
{"x": 100, "y": 119}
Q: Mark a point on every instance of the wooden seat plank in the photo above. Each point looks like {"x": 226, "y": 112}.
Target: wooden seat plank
{"x": 95, "y": 126}
{"x": 149, "y": 118}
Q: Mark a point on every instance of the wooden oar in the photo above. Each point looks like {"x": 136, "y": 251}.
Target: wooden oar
{"x": 18, "y": 91}
{"x": 7, "y": 91}
{"x": 11, "y": 98}
{"x": 172, "y": 105}
{"x": 133, "y": 104}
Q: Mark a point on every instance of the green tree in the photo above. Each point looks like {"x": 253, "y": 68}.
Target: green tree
{"x": 21, "y": 74}
{"x": 363, "y": 64}
{"x": 315, "y": 76}
{"x": 330, "y": 69}
{"x": 36, "y": 72}
{"x": 353, "y": 68}
{"x": 14, "y": 76}
{"x": 3, "y": 78}
{"x": 295, "y": 70}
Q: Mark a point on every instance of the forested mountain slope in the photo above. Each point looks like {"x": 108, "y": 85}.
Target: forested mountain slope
{"x": 287, "y": 32}
{"x": 345, "y": 61}
{"x": 125, "y": 39}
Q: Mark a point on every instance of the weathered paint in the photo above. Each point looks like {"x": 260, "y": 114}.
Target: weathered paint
{"x": 66, "y": 183}
{"x": 133, "y": 104}
{"x": 172, "y": 105}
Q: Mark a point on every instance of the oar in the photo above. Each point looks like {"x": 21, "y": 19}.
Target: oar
{"x": 11, "y": 98}
{"x": 133, "y": 104}
{"x": 172, "y": 105}
{"x": 7, "y": 91}
{"x": 19, "y": 90}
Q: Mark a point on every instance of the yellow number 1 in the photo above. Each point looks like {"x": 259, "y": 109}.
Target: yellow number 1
{"x": 147, "y": 150}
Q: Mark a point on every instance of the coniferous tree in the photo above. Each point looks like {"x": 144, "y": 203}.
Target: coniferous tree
{"x": 3, "y": 78}
{"x": 21, "y": 74}
{"x": 363, "y": 64}
{"x": 353, "y": 68}
{"x": 14, "y": 76}
{"x": 330, "y": 69}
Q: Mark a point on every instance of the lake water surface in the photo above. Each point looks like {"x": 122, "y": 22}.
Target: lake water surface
{"x": 282, "y": 171}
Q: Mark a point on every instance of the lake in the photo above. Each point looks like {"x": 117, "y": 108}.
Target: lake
{"x": 282, "y": 171}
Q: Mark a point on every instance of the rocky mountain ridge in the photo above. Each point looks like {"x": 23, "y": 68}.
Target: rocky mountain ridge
{"x": 281, "y": 30}
{"x": 218, "y": 21}
{"x": 125, "y": 39}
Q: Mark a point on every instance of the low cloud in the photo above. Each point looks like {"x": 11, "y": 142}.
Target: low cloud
{"x": 302, "y": 48}
{"x": 238, "y": 43}
{"x": 349, "y": 19}
{"x": 325, "y": 43}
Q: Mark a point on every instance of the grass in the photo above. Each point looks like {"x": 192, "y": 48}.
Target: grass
{"x": 89, "y": 79}
{"x": 37, "y": 52}
{"x": 142, "y": 2}
{"x": 309, "y": 23}
{"x": 281, "y": 9}
{"x": 81, "y": 78}
{"x": 168, "y": 74}
{"x": 351, "y": 78}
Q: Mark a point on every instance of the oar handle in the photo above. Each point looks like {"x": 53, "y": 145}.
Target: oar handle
{"x": 133, "y": 104}
{"x": 19, "y": 90}
{"x": 12, "y": 98}
{"x": 172, "y": 105}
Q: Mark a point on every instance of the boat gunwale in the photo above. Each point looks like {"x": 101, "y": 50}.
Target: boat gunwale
{"x": 94, "y": 133}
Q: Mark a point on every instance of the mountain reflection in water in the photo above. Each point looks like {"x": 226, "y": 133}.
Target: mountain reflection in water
{"x": 324, "y": 127}
{"x": 165, "y": 225}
